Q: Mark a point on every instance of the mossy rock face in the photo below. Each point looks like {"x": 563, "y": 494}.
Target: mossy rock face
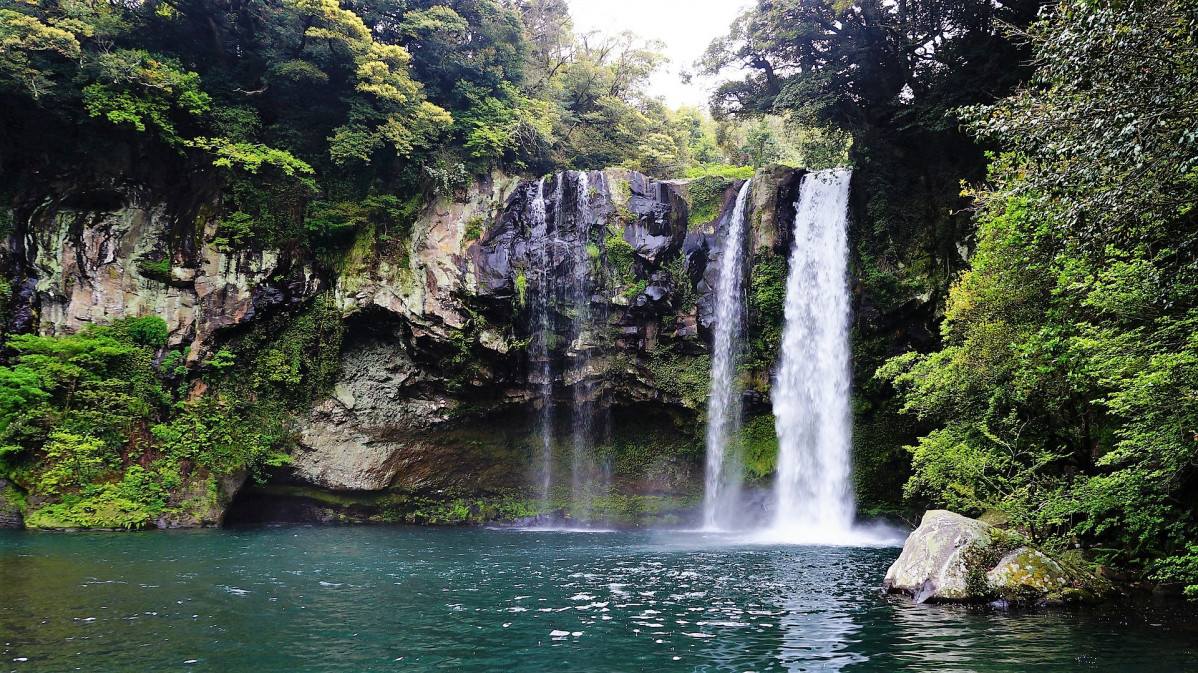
{"x": 1027, "y": 573}
{"x": 934, "y": 563}
{"x": 10, "y": 508}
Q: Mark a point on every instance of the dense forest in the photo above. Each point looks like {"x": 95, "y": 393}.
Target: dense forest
{"x": 1024, "y": 246}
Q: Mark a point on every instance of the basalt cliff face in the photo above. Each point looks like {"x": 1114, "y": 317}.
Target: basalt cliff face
{"x": 512, "y": 298}
{"x": 511, "y": 327}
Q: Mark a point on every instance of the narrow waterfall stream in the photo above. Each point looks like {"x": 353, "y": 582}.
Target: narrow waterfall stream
{"x": 814, "y": 498}
{"x": 724, "y": 401}
{"x": 559, "y": 233}
{"x": 585, "y": 476}
{"x": 540, "y": 350}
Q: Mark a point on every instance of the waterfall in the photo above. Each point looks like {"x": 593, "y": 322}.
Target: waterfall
{"x": 724, "y": 401}
{"x": 811, "y": 394}
{"x": 540, "y": 350}
{"x": 582, "y": 332}
{"x": 560, "y": 283}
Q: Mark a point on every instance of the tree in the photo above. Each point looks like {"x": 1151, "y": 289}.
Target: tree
{"x": 1065, "y": 393}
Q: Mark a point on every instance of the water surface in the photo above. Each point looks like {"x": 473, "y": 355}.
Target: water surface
{"x": 382, "y": 599}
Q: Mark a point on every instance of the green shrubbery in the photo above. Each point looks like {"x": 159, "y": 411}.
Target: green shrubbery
{"x": 687, "y": 377}
{"x": 706, "y": 196}
{"x": 1065, "y": 392}
{"x": 93, "y": 432}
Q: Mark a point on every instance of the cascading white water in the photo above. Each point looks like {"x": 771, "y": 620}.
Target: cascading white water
{"x": 723, "y": 401}
{"x": 560, "y": 283}
{"x": 540, "y": 348}
{"x": 581, "y": 329}
{"x": 814, "y": 499}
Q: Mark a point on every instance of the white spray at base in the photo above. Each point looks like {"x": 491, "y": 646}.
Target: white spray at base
{"x": 723, "y": 401}
{"x": 813, "y": 495}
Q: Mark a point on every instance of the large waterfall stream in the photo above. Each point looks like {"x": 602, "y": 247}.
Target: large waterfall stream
{"x": 723, "y": 403}
{"x": 814, "y": 501}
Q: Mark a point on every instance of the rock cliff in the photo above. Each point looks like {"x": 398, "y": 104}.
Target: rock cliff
{"x": 504, "y": 311}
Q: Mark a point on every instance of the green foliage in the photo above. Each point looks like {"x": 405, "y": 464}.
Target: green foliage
{"x": 1064, "y": 394}
{"x": 235, "y": 230}
{"x": 720, "y": 170}
{"x": 101, "y": 506}
{"x": 620, "y": 257}
{"x": 70, "y": 461}
{"x": 475, "y": 227}
{"x": 144, "y": 91}
{"x": 685, "y": 295}
{"x": 760, "y": 450}
{"x": 706, "y": 198}
{"x": 687, "y": 377}
{"x": 980, "y": 559}
{"x": 767, "y": 302}
{"x": 1104, "y": 135}
{"x": 159, "y": 270}
{"x": 147, "y": 330}
{"x": 287, "y": 359}
{"x": 388, "y": 218}
{"x": 521, "y": 288}
{"x": 252, "y": 158}
{"x": 1182, "y": 567}
{"x": 91, "y": 434}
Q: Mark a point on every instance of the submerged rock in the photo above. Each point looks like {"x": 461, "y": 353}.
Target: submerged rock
{"x": 952, "y": 558}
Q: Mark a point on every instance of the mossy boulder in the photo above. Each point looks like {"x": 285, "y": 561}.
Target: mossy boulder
{"x": 1028, "y": 572}
{"x": 933, "y": 563}
{"x": 956, "y": 559}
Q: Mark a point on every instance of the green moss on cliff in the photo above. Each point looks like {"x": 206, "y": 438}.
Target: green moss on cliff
{"x": 767, "y": 302}
{"x": 706, "y": 198}
{"x": 687, "y": 377}
{"x": 760, "y": 447}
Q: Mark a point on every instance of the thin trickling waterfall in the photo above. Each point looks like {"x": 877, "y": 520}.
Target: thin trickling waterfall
{"x": 583, "y": 471}
{"x": 560, "y": 283}
{"x": 724, "y": 401}
{"x": 811, "y": 394}
{"x": 541, "y": 349}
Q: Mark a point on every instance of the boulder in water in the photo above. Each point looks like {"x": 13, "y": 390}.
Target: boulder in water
{"x": 932, "y": 566}
{"x": 952, "y": 558}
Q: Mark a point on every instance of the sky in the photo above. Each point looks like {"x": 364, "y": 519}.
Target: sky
{"x": 685, "y": 26}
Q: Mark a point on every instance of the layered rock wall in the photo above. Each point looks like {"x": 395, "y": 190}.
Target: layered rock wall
{"x": 437, "y": 384}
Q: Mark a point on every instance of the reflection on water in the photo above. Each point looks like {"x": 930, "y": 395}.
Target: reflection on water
{"x": 817, "y": 611}
{"x": 356, "y": 599}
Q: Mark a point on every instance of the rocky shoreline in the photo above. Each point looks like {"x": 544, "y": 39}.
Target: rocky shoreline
{"x": 952, "y": 558}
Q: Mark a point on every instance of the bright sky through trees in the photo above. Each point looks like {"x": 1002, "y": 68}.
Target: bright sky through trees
{"x": 685, "y": 26}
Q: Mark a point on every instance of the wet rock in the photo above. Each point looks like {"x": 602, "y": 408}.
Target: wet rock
{"x": 84, "y": 266}
{"x": 343, "y": 445}
{"x": 659, "y": 225}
